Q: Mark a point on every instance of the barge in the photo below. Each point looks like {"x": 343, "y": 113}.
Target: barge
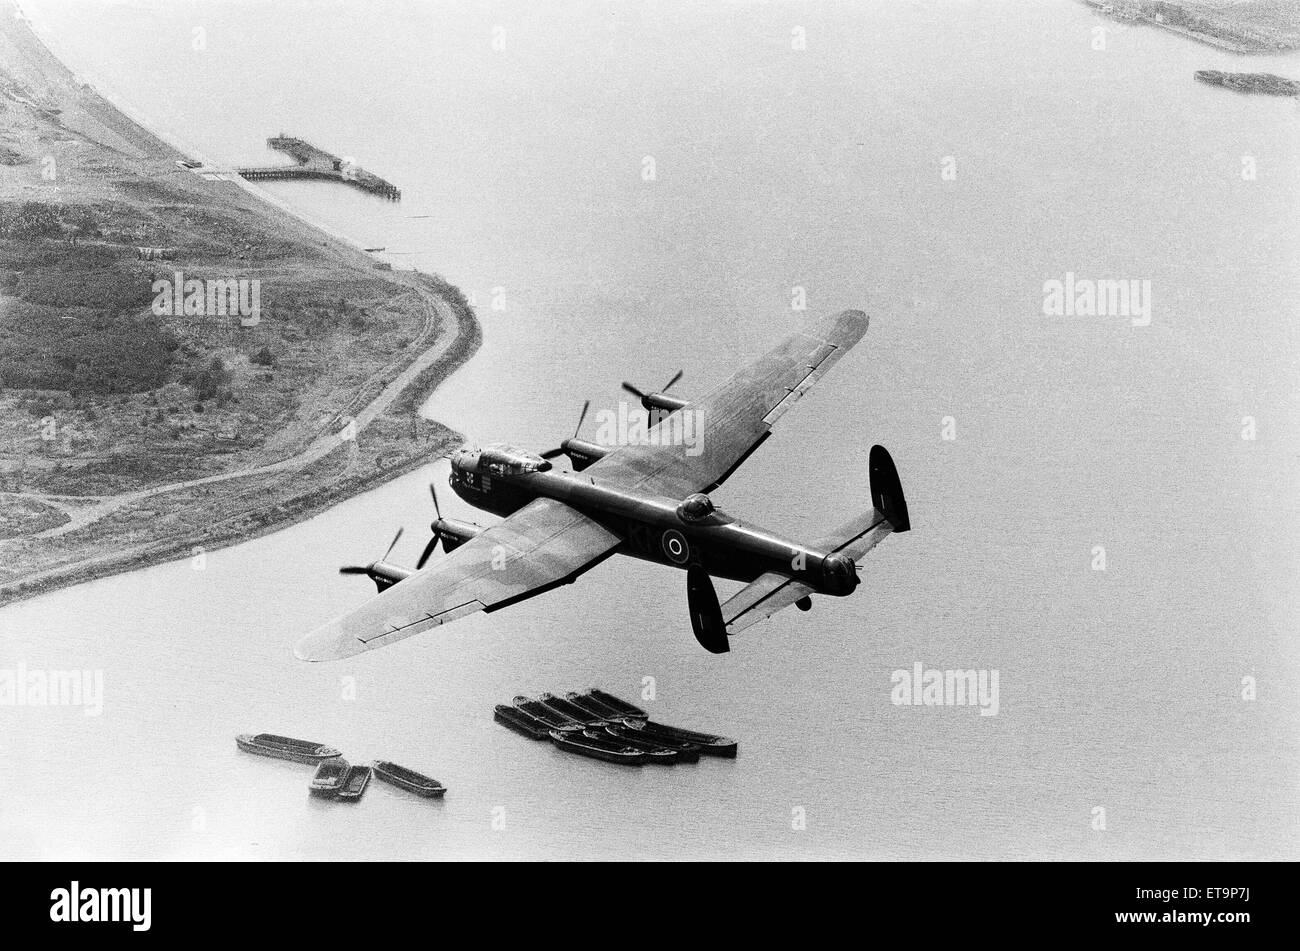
{"x": 329, "y": 777}
{"x": 621, "y": 707}
{"x": 540, "y": 711}
{"x": 285, "y": 747}
{"x": 571, "y": 710}
{"x": 709, "y": 744}
{"x": 611, "y": 750}
{"x": 686, "y": 752}
{"x": 594, "y": 707}
{"x": 409, "y": 779}
{"x": 354, "y": 784}
{"x": 654, "y": 752}
{"x": 515, "y": 719}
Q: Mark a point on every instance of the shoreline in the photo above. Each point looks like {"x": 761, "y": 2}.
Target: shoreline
{"x": 325, "y": 470}
{"x": 1244, "y": 43}
{"x": 183, "y": 149}
{"x": 217, "y": 539}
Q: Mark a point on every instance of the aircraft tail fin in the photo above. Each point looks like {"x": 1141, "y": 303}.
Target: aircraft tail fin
{"x": 773, "y": 591}
{"x": 888, "y": 512}
{"x": 887, "y": 490}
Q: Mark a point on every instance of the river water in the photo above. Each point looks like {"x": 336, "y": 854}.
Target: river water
{"x": 522, "y": 169}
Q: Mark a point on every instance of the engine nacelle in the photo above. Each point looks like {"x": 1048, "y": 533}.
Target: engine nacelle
{"x": 582, "y": 453}
{"x": 385, "y": 575}
{"x": 453, "y": 532}
{"x": 662, "y": 401}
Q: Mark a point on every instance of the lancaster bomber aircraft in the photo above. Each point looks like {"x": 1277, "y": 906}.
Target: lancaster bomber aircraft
{"x": 646, "y": 500}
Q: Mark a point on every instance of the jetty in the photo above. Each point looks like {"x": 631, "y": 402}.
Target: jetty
{"x": 1265, "y": 83}
{"x": 313, "y": 163}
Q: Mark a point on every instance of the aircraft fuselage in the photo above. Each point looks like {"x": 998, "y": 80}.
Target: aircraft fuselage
{"x": 653, "y": 528}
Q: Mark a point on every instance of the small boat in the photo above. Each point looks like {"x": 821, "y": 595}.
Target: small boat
{"x": 709, "y": 744}
{"x": 686, "y": 752}
{"x": 594, "y": 707}
{"x": 611, "y": 750}
{"x": 621, "y": 707}
{"x": 515, "y": 719}
{"x": 571, "y": 710}
{"x": 409, "y": 779}
{"x": 354, "y": 784}
{"x": 329, "y": 777}
{"x": 540, "y": 711}
{"x": 285, "y": 747}
{"x": 654, "y": 752}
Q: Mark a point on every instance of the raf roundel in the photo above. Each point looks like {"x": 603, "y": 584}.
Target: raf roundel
{"x": 675, "y": 546}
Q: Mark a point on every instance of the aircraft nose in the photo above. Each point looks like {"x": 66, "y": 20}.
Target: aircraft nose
{"x": 463, "y": 459}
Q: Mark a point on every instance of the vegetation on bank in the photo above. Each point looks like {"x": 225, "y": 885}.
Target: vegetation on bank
{"x": 1242, "y": 26}
{"x": 103, "y": 393}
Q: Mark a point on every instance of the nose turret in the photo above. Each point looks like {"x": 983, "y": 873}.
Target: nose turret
{"x": 465, "y": 459}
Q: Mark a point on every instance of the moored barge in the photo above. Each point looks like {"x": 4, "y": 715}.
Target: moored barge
{"x": 409, "y": 779}
{"x": 329, "y": 777}
{"x": 594, "y": 707}
{"x": 571, "y": 710}
{"x": 515, "y": 719}
{"x": 709, "y": 744}
{"x": 285, "y": 747}
{"x": 619, "y": 706}
{"x": 654, "y": 752}
{"x": 540, "y": 711}
{"x": 354, "y": 784}
{"x": 686, "y": 752}
{"x": 611, "y": 750}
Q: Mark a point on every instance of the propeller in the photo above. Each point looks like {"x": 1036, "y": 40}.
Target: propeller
{"x": 559, "y": 450}
{"x": 639, "y": 395}
{"x": 365, "y": 570}
{"x": 433, "y": 542}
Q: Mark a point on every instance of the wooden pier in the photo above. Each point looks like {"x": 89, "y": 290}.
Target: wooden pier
{"x": 316, "y": 164}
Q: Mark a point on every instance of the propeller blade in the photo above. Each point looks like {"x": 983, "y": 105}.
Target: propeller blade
{"x": 633, "y": 390}
{"x": 437, "y": 511}
{"x": 559, "y": 450}
{"x": 581, "y": 418}
{"x": 675, "y": 378}
{"x": 392, "y": 544}
{"x": 428, "y": 550}
{"x": 353, "y": 570}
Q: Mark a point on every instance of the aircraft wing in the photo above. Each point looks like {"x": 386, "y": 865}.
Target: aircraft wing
{"x": 735, "y": 417}
{"x": 544, "y": 544}
{"x": 763, "y": 597}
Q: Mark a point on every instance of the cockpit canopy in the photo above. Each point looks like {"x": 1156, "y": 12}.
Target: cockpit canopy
{"x": 695, "y": 507}
{"x": 500, "y": 459}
